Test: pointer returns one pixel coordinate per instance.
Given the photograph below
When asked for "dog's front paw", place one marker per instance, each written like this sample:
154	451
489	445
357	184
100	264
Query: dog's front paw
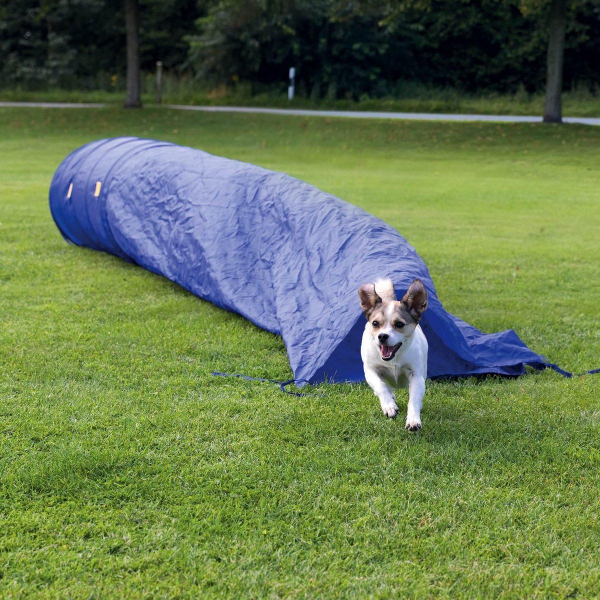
390	410
413	424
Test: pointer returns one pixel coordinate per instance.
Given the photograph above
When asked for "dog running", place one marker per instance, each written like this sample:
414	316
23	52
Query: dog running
394	347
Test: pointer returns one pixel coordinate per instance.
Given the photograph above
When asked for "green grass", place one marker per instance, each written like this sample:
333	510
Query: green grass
128	471
411	98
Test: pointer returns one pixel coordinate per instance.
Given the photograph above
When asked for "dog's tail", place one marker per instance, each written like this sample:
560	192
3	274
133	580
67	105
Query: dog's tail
385	290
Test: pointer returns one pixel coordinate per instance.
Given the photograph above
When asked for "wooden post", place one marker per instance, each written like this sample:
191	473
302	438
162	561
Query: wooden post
159	82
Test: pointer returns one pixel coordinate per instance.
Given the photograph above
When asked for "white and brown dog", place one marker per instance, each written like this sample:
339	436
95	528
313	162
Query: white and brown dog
394	348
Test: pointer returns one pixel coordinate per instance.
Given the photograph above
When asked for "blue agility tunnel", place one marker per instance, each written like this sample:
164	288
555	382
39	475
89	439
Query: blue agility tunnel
282	253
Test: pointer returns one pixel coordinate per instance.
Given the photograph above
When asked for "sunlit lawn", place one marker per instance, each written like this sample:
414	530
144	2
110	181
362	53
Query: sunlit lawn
128	471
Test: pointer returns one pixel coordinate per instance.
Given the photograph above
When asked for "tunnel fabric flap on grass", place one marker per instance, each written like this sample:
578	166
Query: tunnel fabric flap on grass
283	254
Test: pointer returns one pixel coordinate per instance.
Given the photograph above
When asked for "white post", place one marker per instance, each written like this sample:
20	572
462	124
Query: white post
292	83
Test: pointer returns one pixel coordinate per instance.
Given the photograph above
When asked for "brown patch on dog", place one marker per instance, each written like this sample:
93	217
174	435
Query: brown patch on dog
401	315
368	298
377	315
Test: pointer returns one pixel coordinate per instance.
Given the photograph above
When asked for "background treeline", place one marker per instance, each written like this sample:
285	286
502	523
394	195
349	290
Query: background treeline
340	48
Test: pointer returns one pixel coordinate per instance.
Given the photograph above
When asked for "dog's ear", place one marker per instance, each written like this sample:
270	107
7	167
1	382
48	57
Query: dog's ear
368	298
415	299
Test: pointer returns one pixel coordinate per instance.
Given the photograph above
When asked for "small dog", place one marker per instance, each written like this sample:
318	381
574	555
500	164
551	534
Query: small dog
394	347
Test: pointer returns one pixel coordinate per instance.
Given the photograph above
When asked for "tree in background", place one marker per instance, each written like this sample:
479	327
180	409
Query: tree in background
338	51
33	45
555	61
134	76
82	44
352	48
580	20
341	48
470	45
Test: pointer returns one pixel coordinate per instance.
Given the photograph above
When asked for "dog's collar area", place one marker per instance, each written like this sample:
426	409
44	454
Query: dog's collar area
388	352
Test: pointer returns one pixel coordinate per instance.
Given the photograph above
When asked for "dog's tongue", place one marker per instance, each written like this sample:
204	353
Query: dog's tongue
386	351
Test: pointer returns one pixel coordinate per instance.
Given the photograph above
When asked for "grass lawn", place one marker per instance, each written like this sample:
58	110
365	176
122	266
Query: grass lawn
576	103
128	471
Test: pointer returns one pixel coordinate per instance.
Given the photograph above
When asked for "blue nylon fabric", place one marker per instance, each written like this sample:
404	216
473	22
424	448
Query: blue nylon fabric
285	255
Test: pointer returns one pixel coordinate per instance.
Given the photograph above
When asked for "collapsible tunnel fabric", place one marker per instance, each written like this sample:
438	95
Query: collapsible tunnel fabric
283	254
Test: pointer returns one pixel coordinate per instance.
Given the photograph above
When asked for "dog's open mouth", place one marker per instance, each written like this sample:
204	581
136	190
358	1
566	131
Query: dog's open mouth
388	352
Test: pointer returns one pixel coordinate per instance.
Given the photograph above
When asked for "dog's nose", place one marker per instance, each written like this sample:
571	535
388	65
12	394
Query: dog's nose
383	337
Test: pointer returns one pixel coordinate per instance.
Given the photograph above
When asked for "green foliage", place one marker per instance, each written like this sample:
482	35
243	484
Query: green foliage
52	42
82	43
165	25
32	46
336	51
346	49
341	49
128	471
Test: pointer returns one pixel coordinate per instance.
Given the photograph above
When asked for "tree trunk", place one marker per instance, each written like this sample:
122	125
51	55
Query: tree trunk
134	80
555	60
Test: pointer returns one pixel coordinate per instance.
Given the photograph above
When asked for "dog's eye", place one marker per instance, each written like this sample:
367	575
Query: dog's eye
375	323
399	324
